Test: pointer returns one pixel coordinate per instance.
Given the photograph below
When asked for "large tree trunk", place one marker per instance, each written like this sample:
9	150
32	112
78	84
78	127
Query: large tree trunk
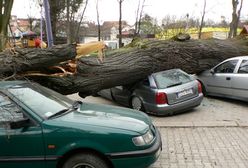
202	19
235	18
120	23
5	12
123	66
131	64
22	60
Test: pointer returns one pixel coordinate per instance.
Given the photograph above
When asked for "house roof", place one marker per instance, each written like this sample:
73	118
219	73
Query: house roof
110	24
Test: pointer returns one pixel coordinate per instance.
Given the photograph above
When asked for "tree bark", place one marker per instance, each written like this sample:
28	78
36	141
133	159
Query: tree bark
120	67
98	21
120	22
22	60
202	19
5	12
235	18
131	64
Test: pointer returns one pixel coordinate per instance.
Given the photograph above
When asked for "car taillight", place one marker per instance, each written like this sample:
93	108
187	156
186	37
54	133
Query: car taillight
199	87
161	98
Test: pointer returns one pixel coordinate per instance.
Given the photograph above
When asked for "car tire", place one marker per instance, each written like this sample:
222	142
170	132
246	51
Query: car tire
136	103
85	160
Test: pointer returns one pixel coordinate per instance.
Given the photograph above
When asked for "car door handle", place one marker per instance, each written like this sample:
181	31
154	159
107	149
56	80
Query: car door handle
228	78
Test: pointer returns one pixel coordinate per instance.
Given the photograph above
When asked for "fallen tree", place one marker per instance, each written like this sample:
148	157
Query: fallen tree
121	66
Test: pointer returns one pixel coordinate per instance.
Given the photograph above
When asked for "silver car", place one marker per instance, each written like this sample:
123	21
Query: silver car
162	93
228	79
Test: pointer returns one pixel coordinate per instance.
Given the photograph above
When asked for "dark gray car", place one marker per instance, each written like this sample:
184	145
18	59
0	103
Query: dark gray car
228	79
161	93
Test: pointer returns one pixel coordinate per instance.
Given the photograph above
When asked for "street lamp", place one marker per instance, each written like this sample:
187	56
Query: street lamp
41	20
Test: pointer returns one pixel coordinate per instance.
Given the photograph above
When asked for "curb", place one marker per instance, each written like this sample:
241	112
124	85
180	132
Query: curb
200	124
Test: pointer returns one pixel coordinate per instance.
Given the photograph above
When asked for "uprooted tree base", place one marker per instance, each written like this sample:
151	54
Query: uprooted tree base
121	66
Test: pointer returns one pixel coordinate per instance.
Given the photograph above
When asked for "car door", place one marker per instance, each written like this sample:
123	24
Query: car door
19	147
239	81
121	94
145	90
219	82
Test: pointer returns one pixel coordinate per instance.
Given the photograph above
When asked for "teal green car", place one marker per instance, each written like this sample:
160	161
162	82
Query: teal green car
40	128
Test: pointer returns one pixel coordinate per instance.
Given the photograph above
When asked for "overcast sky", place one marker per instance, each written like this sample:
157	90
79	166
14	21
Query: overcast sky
156	8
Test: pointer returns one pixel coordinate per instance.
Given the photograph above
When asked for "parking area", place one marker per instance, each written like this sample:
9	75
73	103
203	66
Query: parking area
213	112
213	135
204	147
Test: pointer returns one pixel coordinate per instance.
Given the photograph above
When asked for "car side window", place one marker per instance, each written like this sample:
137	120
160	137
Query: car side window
9	111
243	67
226	67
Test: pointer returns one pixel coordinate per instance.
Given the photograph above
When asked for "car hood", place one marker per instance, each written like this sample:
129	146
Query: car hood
106	116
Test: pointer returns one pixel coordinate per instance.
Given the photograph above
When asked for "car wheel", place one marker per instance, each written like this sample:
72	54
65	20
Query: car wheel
85	161
137	104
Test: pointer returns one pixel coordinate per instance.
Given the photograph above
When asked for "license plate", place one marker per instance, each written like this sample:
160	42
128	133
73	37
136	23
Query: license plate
184	93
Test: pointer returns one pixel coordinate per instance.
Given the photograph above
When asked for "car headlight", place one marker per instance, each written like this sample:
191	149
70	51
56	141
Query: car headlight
145	139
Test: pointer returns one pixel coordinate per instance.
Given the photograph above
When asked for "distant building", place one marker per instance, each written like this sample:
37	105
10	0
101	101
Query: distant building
19	25
88	32
109	33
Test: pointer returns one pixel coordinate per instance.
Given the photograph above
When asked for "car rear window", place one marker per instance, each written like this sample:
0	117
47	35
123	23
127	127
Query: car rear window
171	78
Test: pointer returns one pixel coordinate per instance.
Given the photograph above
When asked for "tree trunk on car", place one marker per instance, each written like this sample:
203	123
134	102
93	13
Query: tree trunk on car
121	66
16	61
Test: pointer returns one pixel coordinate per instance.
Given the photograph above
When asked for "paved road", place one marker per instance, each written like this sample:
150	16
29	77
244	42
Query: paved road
204	147
211	113
213	135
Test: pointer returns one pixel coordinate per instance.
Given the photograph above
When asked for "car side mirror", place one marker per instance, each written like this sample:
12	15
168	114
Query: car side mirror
21	123
212	71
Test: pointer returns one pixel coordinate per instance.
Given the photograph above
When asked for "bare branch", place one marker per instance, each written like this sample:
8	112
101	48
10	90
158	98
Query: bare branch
81	18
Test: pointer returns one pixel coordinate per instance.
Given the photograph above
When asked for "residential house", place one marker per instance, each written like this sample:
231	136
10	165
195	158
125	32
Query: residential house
88	32
19	25
109	33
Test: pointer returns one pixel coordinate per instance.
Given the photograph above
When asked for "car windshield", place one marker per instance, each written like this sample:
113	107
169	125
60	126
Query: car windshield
171	78
41	100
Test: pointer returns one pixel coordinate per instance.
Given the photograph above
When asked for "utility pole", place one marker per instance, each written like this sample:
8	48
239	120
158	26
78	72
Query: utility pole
41	20
69	34
48	23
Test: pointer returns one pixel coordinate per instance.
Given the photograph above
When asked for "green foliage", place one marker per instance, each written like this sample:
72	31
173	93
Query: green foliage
75	5
169	33
58	7
149	25
137	43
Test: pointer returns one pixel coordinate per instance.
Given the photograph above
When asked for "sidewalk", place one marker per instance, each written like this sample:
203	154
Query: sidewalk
202	147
